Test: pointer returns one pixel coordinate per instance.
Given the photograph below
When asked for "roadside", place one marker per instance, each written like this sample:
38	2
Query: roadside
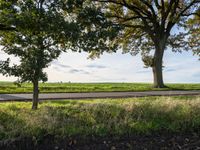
60	96
134	123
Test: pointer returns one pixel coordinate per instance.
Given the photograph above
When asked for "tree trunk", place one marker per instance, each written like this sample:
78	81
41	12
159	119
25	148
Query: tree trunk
157	66
35	95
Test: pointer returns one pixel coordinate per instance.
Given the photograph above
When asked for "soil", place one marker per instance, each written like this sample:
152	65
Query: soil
137	142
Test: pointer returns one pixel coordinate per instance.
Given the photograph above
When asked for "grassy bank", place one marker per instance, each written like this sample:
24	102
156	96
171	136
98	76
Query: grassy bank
100	117
9	87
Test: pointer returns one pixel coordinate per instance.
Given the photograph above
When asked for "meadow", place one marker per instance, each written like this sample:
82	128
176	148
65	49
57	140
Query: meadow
10	87
100	117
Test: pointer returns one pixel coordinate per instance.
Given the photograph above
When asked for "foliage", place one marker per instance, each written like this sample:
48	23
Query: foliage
6	10
99	32
147	22
194	39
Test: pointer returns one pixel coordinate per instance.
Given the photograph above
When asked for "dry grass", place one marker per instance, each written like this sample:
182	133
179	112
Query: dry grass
101	117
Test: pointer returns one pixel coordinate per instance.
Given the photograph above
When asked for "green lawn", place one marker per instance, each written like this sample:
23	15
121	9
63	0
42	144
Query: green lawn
100	117
9	87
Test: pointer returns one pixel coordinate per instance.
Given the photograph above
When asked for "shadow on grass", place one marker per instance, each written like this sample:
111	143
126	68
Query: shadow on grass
109	119
96	119
10	125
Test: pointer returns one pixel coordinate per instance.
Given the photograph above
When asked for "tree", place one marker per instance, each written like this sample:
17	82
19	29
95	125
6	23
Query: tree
39	39
45	28
148	28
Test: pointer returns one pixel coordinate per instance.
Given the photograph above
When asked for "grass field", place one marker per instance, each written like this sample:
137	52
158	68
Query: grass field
9	87
100	117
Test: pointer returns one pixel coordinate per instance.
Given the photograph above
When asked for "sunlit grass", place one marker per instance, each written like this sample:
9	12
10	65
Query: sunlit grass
9	87
100	117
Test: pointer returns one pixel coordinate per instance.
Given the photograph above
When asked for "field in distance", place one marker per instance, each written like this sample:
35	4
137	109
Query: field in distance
10	87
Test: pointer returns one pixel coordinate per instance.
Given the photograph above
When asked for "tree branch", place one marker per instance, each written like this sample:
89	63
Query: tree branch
157	4
188	7
124	19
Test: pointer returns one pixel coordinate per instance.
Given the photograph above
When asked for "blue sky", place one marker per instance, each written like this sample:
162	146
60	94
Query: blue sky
117	67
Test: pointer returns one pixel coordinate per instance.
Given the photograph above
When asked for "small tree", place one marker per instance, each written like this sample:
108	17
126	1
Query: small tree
42	28
148	28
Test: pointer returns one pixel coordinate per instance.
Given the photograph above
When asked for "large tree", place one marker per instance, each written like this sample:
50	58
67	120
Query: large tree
44	28
150	27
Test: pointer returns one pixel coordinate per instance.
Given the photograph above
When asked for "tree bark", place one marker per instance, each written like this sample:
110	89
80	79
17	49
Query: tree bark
35	95
157	66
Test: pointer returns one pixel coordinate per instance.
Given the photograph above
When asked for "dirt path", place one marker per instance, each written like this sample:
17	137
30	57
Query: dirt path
55	96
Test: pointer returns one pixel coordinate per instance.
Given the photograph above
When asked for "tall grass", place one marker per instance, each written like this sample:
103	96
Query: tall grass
100	117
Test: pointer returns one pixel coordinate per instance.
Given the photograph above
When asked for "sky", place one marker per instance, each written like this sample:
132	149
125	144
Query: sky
118	67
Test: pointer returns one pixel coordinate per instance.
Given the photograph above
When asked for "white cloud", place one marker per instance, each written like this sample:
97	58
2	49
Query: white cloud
117	67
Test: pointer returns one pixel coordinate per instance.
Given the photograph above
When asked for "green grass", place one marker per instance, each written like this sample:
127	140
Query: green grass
9	87
100	117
